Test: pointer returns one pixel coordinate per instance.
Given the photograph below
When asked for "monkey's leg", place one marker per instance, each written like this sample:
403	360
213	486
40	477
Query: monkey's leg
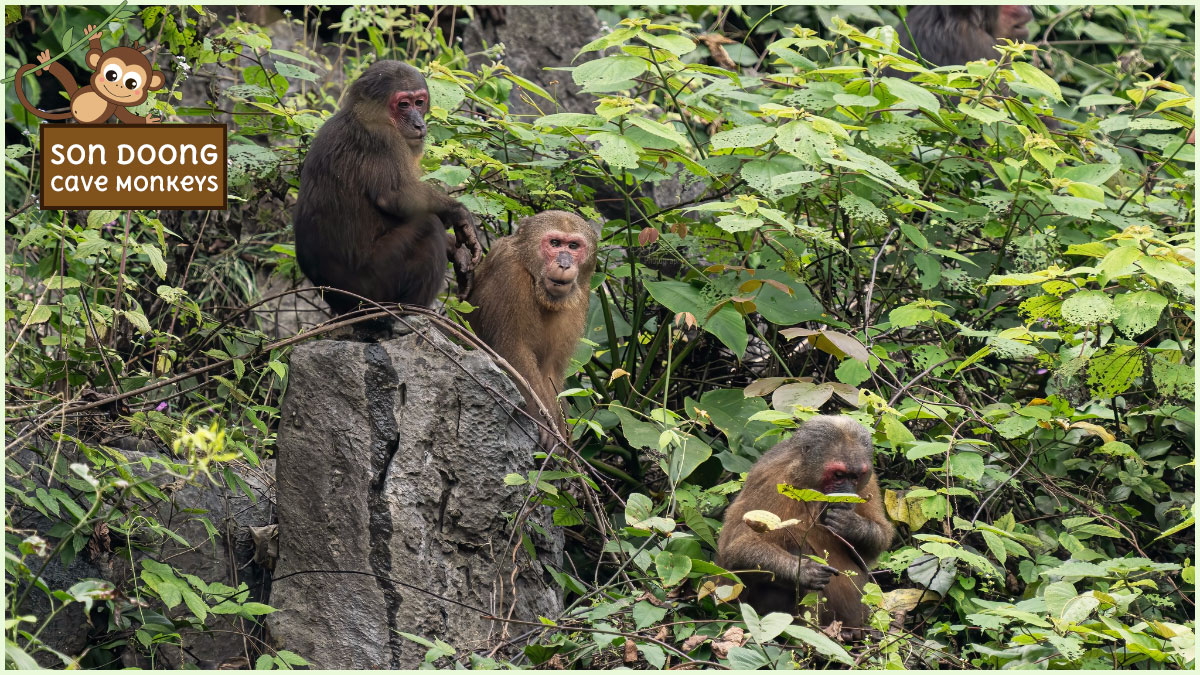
405	264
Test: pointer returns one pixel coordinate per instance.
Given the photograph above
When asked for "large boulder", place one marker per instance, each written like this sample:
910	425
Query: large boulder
393	511
536	38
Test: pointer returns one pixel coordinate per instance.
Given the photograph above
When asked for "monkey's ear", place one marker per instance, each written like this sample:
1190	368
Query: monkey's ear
156	81
92	58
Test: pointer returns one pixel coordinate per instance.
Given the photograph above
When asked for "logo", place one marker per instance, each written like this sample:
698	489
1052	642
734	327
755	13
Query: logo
138	164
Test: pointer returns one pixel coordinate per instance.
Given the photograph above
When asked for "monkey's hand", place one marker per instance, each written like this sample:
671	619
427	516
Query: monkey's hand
464	271
465	235
845	522
42	58
89	29
814	576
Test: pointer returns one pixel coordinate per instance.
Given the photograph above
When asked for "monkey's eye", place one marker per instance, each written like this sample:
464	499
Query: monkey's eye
420	102
132	81
112	72
573	245
556	243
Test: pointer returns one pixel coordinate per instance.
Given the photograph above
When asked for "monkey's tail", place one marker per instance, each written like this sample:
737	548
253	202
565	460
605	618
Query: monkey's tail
29	106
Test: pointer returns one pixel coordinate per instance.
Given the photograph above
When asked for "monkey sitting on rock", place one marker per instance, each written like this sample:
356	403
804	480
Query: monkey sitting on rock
365	222
830	454
531	294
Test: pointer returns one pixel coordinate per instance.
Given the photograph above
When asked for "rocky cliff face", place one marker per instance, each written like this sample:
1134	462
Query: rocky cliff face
393	512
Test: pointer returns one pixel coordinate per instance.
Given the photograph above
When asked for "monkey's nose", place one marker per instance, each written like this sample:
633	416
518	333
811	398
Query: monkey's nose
564	260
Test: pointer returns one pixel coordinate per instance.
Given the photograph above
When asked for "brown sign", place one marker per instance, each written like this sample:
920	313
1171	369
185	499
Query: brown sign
128	166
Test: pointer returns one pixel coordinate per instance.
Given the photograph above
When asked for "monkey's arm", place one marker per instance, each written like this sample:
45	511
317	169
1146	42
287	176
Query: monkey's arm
127	117
750	550
62	75
866	528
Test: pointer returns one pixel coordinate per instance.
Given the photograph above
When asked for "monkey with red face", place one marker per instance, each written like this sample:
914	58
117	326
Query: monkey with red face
830	454
532	293
365	221
954	35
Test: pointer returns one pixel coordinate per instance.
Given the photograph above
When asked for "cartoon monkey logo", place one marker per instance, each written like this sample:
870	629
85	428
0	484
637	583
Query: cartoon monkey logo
122	77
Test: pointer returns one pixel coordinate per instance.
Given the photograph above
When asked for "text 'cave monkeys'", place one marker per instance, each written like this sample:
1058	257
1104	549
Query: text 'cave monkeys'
532	295
830	454
365	222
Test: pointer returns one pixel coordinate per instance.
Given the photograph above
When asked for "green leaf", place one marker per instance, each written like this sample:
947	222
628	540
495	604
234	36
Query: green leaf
820	642
1171	273
687	457
664	131
1114	370
927	449
639	513
727	324
1037	79
749	136
672	567
1138	312
744	658
295	72
608	70
912	93
646	614
612	39
967	465
771	625
1088	308
672	42
617	150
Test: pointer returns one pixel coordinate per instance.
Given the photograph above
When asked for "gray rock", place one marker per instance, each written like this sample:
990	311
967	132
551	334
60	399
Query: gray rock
536	38
226	558
391	463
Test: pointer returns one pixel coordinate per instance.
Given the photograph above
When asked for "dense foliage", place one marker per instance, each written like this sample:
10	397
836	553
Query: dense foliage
789	228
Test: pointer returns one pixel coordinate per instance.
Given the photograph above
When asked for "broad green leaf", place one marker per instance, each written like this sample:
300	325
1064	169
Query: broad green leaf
608	70
1088	308
639	513
671	567
927	449
1038	79
617	150
646	614
1114	370
967	465
664	131
820	642
727	324
1170	272
1138	312
911	93
748	136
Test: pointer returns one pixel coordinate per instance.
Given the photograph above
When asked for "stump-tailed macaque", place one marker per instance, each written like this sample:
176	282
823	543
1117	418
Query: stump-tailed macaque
122	77
531	294
954	35
365	222
830	454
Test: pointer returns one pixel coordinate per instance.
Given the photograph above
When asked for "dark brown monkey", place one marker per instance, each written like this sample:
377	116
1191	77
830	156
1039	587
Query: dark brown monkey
954	35
831	454
365	222
532	294
122	77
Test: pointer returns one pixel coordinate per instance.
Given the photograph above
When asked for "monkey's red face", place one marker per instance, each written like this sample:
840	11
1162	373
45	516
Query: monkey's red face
407	110
844	477
1013	20
562	254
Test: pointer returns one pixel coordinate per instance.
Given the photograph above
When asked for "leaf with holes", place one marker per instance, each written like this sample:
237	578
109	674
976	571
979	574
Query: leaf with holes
1138	312
1113	370
1088	308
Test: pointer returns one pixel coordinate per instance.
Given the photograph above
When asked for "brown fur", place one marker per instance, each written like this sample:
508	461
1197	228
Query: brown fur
518	317
954	35
802	461
365	222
